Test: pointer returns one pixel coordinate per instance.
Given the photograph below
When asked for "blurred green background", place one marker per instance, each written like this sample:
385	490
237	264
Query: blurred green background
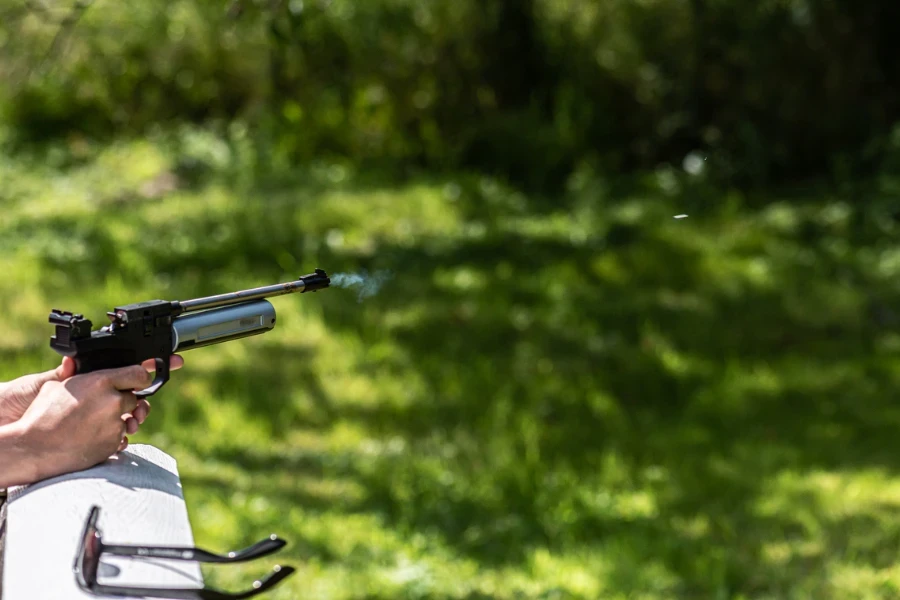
563	391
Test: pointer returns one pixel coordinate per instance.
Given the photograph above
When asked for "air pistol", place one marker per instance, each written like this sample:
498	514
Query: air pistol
157	329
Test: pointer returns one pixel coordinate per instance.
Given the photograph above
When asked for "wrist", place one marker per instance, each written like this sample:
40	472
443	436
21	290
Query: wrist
4	420
6	412
20	465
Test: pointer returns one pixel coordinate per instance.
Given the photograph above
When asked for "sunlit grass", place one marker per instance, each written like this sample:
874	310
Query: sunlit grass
587	401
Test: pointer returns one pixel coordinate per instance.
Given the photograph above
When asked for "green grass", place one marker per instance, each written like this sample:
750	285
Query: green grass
577	398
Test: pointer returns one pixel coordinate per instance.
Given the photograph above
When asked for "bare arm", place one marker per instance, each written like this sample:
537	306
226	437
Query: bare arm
17	465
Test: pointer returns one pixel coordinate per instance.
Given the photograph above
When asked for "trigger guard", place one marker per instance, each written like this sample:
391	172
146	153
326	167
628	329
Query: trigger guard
162	376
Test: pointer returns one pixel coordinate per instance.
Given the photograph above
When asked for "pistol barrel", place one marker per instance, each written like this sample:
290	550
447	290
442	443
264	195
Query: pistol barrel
306	283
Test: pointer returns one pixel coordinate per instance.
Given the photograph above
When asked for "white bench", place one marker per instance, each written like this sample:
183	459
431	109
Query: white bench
141	503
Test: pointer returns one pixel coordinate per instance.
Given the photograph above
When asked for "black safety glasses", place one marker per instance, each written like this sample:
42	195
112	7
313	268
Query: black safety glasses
91	548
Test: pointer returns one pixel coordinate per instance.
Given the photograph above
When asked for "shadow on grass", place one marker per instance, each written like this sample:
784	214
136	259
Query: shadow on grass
539	360
612	367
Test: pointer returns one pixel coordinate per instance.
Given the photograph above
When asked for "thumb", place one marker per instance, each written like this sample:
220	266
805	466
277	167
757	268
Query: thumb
29	385
65	370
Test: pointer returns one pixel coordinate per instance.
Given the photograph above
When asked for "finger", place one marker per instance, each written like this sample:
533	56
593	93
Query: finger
134	377
121	434
65	369
123	444
131	426
128	403
175	363
141	411
34	382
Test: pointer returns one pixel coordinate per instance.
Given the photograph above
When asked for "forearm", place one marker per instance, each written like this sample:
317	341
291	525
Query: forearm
18	466
6	415
4	419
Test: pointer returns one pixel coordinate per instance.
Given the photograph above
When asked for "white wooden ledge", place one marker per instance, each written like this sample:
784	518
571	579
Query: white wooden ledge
141	503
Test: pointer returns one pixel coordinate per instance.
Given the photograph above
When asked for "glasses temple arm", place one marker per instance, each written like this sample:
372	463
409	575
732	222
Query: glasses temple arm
257	550
260	586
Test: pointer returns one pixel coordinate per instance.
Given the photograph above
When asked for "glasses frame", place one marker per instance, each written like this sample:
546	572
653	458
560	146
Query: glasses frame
91	548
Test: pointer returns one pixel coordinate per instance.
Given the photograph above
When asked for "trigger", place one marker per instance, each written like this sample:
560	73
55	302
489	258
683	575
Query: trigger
162	376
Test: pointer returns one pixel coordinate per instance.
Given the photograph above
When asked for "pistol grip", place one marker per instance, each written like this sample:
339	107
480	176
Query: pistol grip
162	376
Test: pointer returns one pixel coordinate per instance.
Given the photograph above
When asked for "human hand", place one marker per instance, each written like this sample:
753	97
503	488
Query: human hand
77	423
17	395
134	420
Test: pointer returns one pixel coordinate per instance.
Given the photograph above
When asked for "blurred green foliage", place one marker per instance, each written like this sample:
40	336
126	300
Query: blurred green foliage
523	89
563	391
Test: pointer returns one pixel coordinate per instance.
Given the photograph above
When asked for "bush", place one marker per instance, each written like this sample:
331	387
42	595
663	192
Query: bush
770	91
